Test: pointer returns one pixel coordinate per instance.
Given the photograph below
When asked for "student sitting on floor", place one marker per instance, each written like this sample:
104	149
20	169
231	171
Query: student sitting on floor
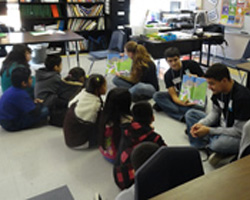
19	56
80	124
142	81
169	101
71	85
115	113
138	131
17	110
140	154
48	80
221	130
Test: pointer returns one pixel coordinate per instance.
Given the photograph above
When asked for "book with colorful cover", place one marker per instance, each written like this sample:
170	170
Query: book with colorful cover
194	90
117	63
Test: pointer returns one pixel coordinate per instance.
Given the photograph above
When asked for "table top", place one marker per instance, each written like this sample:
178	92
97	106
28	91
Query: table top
226	183
28	38
244	66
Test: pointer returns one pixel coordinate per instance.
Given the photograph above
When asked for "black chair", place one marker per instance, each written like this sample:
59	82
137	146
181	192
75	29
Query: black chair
233	63
4	29
165	169
118	39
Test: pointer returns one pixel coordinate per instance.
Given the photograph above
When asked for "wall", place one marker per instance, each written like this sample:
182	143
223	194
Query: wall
236	41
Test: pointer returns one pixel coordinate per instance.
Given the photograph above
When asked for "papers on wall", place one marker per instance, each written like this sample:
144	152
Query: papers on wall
214	2
212	15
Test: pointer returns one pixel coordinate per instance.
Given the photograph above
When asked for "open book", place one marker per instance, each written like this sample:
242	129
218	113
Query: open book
194	89
117	63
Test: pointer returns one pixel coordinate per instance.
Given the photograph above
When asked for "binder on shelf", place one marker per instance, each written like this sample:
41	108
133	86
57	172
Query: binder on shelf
54	10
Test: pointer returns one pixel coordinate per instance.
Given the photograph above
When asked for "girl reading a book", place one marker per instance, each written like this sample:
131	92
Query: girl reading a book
116	112
142	81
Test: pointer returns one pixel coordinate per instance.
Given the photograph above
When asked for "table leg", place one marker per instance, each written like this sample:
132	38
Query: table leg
208	54
66	44
77	55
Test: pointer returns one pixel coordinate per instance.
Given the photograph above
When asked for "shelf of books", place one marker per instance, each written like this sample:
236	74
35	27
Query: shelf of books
85	1
82	46
85	17
79	10
40	11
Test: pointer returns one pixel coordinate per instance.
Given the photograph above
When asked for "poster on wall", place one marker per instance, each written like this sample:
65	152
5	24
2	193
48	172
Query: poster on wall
247	8
232	13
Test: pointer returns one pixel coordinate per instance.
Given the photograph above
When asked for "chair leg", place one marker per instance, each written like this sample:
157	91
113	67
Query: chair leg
91	66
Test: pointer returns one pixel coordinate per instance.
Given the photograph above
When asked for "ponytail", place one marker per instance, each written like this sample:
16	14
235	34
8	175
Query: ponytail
94	83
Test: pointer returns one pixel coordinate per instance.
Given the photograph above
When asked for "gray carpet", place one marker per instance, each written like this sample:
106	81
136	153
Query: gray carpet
61	193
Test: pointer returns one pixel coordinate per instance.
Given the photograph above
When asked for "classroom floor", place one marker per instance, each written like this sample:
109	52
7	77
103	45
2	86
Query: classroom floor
37	160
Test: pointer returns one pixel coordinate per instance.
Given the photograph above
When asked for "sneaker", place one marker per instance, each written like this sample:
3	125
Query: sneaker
215	158
97	196
156	107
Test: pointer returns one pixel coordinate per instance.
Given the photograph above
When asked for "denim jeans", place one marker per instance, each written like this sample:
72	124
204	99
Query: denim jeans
222	143
165	102
26	121
137	90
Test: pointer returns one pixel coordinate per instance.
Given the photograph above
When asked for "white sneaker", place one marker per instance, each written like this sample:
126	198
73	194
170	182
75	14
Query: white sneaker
216	158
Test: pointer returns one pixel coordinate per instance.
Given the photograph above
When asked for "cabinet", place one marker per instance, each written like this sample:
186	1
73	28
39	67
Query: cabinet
117	13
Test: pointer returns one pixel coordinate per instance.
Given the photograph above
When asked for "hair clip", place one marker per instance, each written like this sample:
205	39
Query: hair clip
97	79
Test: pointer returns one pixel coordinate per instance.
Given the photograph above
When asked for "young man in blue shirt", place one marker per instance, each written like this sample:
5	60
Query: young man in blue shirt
17	110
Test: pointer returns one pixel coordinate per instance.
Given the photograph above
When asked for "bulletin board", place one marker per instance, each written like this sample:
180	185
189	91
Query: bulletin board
232	12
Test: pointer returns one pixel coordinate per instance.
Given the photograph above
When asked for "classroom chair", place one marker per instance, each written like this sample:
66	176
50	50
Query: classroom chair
165	169
233	63
118	39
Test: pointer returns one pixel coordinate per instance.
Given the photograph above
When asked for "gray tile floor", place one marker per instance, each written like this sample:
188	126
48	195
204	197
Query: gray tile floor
36	161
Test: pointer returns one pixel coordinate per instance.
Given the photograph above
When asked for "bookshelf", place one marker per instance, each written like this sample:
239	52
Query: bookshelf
43	13
85	17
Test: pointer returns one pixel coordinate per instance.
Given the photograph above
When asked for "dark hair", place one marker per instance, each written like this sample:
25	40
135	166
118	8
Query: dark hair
19	75
17	55
218	71
94	83
142	152
51	61
171	52
75	74
142	112
117	105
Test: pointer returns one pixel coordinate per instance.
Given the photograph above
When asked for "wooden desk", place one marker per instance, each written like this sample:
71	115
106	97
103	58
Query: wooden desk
246	68
27	38
185	46
230	182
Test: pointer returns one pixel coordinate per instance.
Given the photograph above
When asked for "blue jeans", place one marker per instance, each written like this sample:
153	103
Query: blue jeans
137	90
26	121
223	144
165	102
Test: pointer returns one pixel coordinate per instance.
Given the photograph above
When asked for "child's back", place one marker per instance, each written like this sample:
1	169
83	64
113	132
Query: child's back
133	134
70	86
48	80
115	113
17	109
80	121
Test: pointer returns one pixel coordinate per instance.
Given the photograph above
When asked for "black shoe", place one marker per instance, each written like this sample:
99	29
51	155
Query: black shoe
183	119
156	107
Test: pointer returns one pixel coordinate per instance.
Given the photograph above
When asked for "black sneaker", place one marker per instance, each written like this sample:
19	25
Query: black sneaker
157	108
